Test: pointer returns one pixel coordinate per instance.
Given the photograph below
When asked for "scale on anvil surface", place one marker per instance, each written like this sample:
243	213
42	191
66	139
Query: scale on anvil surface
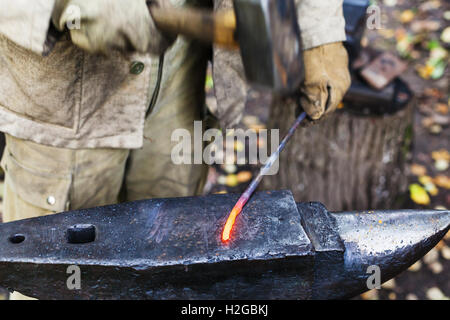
172	249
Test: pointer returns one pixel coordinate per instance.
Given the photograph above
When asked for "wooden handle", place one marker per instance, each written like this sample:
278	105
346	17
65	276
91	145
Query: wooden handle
218	28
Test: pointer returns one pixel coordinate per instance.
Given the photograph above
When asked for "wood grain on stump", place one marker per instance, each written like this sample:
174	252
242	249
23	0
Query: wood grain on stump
347	161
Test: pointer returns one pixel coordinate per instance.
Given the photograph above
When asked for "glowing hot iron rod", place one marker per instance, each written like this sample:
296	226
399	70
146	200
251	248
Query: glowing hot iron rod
255	182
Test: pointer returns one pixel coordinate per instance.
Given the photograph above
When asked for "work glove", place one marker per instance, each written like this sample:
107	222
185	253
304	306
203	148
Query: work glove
106	25
327	79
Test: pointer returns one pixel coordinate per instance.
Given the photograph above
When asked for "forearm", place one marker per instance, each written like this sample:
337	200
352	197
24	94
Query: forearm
26	22
321	22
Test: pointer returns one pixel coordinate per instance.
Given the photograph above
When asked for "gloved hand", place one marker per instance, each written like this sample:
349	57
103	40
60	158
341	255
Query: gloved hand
327	79
111	24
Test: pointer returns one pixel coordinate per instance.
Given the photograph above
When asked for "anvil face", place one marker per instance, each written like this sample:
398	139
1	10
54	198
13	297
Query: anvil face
172	249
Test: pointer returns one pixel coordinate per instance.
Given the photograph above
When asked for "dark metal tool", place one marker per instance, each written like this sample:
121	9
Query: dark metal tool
172	249
266	31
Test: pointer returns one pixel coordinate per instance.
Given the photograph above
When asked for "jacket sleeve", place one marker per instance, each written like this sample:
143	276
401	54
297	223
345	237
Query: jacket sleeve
321	22
26	22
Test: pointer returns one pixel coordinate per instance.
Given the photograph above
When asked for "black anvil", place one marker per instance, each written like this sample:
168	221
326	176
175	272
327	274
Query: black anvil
172	249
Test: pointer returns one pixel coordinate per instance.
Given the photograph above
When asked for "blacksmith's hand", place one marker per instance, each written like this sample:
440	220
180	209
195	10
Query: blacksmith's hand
327	79
99	26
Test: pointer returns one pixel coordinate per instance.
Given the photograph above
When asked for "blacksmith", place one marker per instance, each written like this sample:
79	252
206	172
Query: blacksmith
96	114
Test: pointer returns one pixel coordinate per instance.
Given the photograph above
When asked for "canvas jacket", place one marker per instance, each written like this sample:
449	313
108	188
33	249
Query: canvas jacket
73	99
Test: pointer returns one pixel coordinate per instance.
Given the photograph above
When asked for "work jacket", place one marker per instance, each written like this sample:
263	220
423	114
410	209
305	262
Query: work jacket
73	99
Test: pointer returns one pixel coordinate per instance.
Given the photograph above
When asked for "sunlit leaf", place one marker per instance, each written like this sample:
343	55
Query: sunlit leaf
232	181
418	170
442	181
418	194
244	176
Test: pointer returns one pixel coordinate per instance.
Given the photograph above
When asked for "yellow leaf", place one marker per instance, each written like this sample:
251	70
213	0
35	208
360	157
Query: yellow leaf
425	180
418	194
407	16
441	154
442	108
232	181
425	71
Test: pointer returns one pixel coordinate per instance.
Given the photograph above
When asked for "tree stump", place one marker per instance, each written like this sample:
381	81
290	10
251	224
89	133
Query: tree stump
347	161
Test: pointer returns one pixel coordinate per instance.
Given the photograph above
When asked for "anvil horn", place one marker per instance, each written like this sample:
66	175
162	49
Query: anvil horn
172	249
388	240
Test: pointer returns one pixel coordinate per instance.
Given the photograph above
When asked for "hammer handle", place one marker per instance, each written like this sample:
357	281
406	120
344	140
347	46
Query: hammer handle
204	25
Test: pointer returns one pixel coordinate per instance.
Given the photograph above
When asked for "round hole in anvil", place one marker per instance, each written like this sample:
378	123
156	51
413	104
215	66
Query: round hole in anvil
81	233
17	238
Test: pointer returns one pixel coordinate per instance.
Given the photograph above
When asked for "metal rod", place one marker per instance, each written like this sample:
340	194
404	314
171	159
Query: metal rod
255	182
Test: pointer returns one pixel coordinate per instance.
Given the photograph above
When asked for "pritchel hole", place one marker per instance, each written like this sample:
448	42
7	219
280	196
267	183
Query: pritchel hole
81	233
17	238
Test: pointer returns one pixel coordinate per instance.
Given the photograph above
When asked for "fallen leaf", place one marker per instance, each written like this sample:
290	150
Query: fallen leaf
430	5
440	245
390	284
425	26
425	179
445	252
244	176
441	154
430	187
232	181
386	33
435	129
418	194
441	165
447	15
445	35
431	256
436	267
442	181
435	293
209	83
418	170
442	108
438	69
250	120
415	267
370	295
222	180
411	296
390	3
425	72
434	93
407	16
229	168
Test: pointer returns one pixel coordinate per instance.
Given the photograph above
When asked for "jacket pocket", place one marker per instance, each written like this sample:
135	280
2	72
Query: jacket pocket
44	89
